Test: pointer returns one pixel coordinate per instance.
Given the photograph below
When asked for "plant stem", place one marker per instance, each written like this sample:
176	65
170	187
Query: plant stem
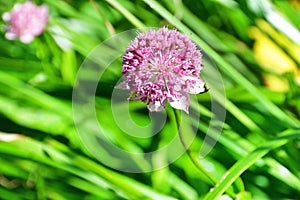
193	158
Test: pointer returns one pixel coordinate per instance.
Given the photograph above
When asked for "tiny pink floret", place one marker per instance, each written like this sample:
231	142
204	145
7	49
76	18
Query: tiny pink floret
26	21
162	66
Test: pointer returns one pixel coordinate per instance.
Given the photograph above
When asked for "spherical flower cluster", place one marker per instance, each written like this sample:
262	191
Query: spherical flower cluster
25	21
162	66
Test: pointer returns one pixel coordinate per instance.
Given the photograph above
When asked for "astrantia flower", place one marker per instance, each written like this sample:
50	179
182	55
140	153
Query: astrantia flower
162	66
26	21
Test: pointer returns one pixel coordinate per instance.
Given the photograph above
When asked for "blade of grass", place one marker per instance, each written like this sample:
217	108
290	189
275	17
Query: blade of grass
34	95
107	23
7	194
217	93
33	117
128	15
91	188
243	164
61	157
186	191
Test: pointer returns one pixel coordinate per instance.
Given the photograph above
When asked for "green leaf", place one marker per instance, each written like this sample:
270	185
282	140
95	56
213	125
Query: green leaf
69	66
243	164
244	195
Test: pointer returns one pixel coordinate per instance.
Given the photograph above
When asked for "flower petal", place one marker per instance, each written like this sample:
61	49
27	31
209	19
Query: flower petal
156	106
123	86
6	16
10	35
181	103
26	38
160	66
26	21
195	85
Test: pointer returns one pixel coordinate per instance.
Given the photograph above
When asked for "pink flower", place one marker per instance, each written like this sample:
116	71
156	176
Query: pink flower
26	21
162	66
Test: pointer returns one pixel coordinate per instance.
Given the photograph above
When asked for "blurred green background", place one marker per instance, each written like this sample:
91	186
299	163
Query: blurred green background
255	45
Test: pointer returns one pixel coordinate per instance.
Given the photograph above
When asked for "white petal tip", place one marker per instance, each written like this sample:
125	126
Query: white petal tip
181	104
10	36
155	107
6	16
196	86
122	86
26	38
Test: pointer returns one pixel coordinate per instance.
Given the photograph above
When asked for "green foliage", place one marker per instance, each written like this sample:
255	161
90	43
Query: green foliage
256	156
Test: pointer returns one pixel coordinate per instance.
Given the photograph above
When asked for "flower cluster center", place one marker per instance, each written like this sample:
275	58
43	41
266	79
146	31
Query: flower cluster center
161	66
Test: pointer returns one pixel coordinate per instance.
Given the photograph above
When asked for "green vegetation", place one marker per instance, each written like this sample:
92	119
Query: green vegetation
256	49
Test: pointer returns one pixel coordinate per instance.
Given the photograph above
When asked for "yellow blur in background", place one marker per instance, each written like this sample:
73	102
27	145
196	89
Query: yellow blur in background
276	54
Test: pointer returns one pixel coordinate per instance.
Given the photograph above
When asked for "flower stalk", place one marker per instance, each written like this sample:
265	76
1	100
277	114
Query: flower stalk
190	154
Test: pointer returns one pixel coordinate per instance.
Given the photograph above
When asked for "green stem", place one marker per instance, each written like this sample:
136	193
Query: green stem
193	158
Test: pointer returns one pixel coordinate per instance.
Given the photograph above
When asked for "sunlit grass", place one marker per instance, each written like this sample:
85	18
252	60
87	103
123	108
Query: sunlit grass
255	157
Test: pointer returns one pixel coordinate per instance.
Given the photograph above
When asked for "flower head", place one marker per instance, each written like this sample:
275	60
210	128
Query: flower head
25	21
162	66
